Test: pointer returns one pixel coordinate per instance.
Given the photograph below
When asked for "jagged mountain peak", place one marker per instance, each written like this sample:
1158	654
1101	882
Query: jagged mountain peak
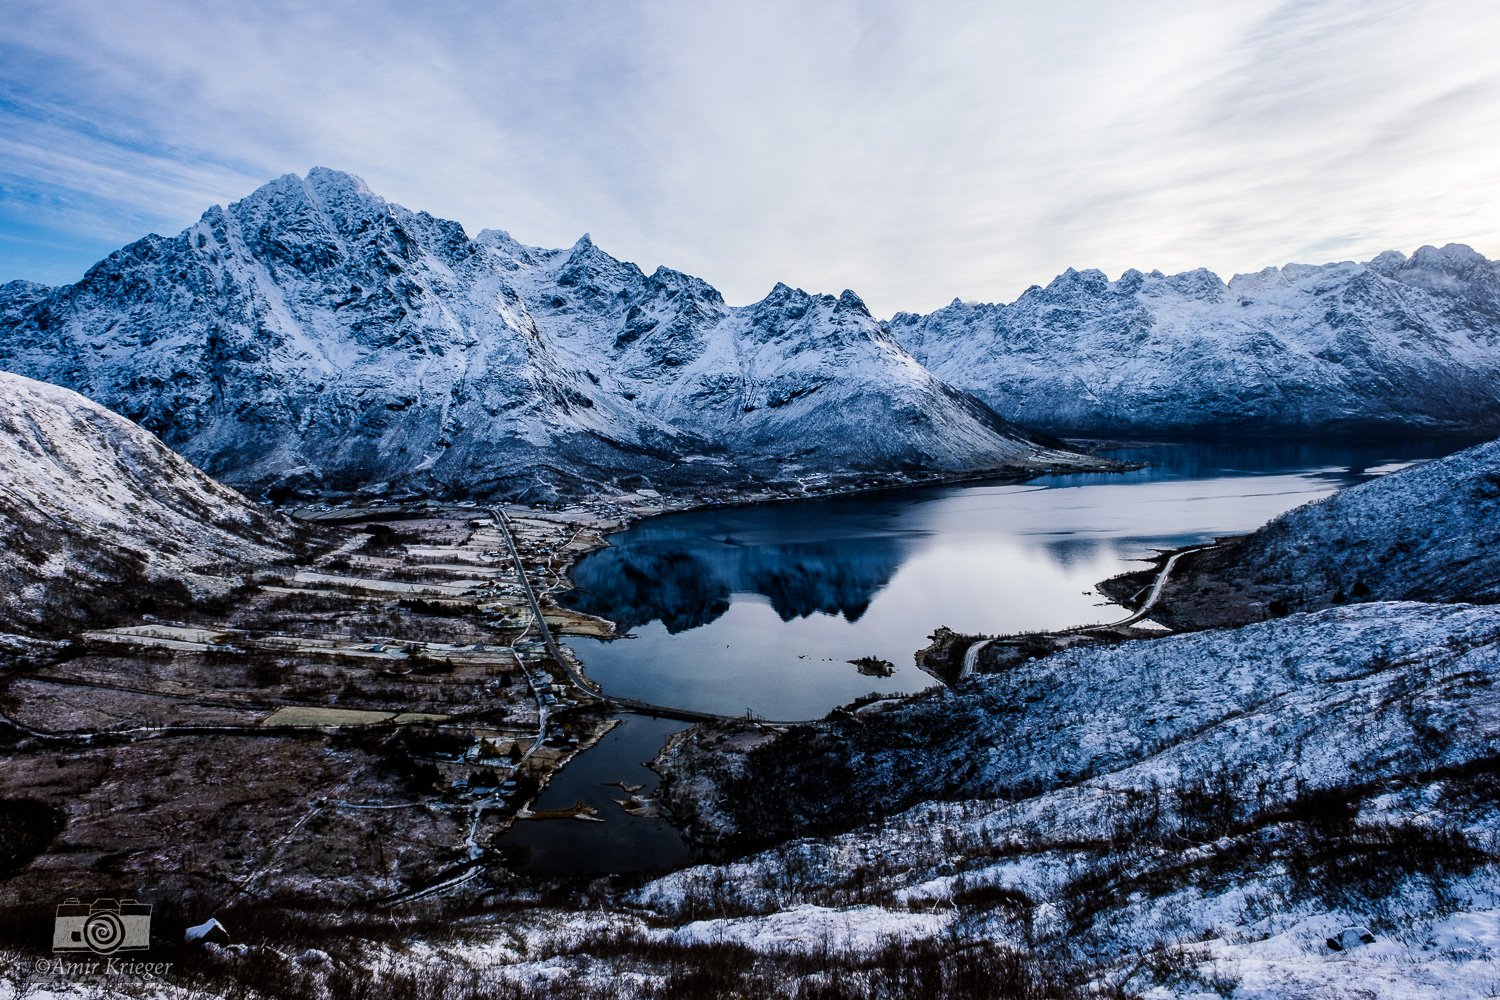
508	250
330	193
319	184
1199	282
782	292
1090	280
849	300
671	281
327	179
1450	257
330	215
596	270
313	338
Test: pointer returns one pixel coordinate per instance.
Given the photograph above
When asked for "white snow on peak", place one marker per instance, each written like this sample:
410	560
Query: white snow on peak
1395	343
313	337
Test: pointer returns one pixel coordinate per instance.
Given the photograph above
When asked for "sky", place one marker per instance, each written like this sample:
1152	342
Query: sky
916	153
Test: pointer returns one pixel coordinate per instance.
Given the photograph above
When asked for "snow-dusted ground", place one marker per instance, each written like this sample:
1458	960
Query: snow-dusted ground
1085	787
1187	817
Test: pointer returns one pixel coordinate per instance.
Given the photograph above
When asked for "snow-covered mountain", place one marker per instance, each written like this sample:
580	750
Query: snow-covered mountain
314	337
97	515
1398	343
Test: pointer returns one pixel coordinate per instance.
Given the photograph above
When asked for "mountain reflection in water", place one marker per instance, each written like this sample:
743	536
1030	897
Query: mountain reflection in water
685	575
761	608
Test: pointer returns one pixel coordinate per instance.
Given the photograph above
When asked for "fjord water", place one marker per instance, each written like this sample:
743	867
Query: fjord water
760	609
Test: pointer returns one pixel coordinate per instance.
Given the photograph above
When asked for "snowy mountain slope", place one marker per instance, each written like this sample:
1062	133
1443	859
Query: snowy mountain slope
313	337
1361	690
1396	343
96	513
1188	817
1251	791
1429	533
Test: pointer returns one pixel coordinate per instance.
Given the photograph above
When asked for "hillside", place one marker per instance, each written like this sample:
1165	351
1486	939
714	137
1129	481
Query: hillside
1249	791
1345	693
98	516
1429	533
1399	344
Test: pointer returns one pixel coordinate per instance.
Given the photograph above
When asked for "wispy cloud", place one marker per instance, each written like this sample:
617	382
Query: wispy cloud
912	152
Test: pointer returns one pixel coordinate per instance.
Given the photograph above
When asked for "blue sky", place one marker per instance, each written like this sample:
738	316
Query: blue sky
912	152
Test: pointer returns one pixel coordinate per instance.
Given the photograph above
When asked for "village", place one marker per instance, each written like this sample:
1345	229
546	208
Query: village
370	717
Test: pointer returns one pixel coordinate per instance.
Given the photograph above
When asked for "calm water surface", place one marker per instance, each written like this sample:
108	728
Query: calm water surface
761	608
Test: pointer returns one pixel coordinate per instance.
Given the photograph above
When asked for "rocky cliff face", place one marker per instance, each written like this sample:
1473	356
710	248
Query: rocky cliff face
314	338
1407	344
97	514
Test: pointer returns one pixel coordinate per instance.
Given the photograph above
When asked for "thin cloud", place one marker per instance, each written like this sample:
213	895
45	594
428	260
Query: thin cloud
912	152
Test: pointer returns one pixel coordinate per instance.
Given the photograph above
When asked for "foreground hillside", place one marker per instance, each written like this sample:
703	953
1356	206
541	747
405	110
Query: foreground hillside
314	338
97	515
1198	812
1279	708
1430	533
1398	343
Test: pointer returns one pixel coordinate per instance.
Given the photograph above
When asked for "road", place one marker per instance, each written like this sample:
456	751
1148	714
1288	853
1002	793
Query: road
1151	598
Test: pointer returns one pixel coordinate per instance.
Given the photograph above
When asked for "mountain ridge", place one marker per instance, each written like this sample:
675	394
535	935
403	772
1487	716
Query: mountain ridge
314	338
1393	344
